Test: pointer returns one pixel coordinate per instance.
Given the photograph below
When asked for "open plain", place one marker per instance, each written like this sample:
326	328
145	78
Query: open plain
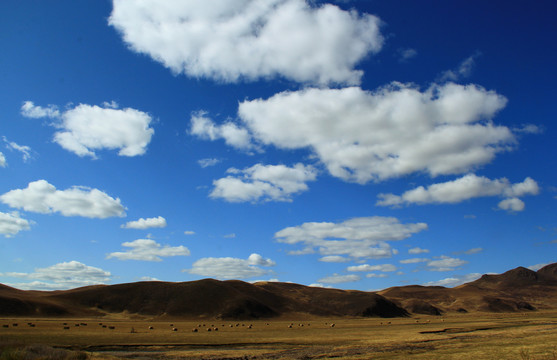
528	335
508	316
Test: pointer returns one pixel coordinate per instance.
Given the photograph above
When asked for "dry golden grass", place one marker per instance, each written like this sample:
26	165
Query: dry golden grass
531	335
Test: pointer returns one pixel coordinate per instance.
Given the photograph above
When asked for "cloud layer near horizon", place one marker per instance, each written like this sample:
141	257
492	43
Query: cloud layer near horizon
358	238
231	268
61	276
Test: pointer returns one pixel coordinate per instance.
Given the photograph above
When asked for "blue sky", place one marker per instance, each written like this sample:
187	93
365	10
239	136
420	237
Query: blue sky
349	144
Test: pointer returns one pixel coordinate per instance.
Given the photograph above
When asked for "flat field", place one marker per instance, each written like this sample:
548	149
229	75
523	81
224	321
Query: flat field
531	335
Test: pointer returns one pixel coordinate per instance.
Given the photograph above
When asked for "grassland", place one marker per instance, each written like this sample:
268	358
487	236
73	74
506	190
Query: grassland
531	335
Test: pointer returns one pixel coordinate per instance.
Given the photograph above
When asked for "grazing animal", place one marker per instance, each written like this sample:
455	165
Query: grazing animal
290	326
215	329
174	329
333	325
151	328
194	330
66	328
208	329
5	326
111	327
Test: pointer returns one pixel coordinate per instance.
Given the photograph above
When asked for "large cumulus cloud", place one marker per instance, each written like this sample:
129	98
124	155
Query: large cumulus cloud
232	40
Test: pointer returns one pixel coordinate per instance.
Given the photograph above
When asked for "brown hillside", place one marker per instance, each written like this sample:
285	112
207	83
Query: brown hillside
204	298
548	273
332	302
519	289
14	302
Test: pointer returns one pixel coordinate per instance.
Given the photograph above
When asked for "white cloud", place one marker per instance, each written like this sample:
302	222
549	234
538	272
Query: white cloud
529	129
397	130
511	204
376	275
265	281
12	223
232	134
148	278
112	105
189	232
369	268
208	162
317	285
455	280
23	149
3	162
42	197
537	266
338	279
230	236
264	183
65	275
86	128
359	238
413	260
156	222
418	250
463	70
465	188
474	251
256	259
238	40
148	250
406	54
30	110
334	259
445	263
231	268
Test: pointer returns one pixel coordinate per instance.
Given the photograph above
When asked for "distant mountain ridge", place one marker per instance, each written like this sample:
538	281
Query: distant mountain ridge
519	289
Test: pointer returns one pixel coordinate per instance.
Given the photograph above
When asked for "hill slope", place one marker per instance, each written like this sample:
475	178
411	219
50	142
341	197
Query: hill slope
519	289
204	298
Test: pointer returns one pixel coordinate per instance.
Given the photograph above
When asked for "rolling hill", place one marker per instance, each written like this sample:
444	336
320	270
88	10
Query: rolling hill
519	289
